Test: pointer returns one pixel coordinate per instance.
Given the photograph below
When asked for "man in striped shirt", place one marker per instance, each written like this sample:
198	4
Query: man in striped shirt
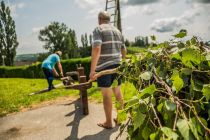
107	51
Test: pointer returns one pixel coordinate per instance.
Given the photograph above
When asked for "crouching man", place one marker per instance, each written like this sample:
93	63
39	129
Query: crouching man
48	67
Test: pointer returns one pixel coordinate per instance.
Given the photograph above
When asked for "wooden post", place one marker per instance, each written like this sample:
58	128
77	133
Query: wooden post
83	92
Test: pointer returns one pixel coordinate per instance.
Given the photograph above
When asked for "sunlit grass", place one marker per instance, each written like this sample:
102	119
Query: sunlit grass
14	93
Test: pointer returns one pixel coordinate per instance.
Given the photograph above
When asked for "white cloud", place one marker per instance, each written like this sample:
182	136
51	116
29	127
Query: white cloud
21	5
29	44
138	2
14	8
169	24
165	25
201	1
93	6
130	11
148	10
37	29
129	28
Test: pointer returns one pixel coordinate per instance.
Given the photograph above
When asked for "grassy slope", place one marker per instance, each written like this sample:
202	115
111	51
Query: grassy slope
14	93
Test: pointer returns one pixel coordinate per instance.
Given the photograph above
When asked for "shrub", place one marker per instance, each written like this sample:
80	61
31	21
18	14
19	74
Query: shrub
35	71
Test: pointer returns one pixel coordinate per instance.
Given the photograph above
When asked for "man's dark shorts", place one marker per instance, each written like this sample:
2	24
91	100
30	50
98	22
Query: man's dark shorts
106	81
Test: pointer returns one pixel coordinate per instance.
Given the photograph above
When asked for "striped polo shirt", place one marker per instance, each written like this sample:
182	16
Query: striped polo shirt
110	39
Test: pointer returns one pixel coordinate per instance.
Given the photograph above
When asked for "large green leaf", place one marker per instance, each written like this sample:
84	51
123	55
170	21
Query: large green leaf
154	136
146	75
206	91
171	106
182	33
149	90
184	129
138	119
191	57
134	100
186	71
208	57
196	83
121	115
146	132
193	128
169	133
178	83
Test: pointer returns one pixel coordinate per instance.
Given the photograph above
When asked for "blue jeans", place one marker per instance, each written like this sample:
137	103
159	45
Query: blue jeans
49	76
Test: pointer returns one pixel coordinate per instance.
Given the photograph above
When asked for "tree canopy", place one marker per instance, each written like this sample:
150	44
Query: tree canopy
8	37
57	36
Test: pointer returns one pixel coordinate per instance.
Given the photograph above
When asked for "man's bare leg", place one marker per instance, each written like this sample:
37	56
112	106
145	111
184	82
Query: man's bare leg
119	96
107	102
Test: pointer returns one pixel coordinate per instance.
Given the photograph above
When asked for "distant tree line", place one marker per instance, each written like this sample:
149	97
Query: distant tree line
139	41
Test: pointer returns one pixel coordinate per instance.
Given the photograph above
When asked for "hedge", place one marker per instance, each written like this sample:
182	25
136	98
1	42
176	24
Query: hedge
35	71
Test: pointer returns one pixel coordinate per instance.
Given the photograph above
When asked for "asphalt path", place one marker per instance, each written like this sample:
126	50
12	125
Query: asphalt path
59	121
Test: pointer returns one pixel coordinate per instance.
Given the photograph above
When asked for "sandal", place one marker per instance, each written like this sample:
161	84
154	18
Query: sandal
104	126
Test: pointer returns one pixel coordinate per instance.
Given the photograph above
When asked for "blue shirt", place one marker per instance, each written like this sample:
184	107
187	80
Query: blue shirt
50	61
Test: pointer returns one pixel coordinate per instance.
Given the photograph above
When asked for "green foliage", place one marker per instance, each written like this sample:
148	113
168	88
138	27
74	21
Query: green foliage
135	50
172	99
8	37
181	34
58	37
35	71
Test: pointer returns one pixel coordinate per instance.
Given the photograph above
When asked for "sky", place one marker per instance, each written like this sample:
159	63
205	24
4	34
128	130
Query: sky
161	18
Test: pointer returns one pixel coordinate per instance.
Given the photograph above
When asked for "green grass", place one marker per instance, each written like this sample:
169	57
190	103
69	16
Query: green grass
14	93
134	50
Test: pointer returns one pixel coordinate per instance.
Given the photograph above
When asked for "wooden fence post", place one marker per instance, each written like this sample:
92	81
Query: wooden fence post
83	92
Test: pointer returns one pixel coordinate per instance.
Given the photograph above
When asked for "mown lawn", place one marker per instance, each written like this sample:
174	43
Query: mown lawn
14	93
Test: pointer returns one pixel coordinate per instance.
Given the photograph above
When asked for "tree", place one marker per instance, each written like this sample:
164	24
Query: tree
57	36
85	50
8	37
141	41
90	39
73	52
127	43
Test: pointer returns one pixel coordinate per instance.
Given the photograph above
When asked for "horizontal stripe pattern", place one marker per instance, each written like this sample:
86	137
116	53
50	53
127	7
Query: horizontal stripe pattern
111	41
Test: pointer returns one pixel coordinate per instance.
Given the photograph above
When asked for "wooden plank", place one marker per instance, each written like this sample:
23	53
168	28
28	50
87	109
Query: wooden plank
45	90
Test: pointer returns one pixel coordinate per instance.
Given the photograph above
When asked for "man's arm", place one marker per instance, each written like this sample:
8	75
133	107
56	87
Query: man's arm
96	51
55	72
60	68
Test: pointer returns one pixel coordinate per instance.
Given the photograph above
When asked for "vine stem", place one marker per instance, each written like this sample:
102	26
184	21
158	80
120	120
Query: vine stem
196	115
122	130
157	119
177	109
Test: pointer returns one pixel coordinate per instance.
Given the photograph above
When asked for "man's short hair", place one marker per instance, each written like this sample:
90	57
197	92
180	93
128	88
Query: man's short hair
59	53
104	15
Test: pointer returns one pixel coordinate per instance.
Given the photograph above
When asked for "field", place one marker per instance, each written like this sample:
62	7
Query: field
14	94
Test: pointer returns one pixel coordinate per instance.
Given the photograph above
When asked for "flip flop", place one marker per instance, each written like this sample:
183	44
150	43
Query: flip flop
102	125
116	122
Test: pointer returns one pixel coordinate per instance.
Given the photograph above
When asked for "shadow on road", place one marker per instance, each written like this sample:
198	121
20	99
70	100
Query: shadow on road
78	116
75	123
103	135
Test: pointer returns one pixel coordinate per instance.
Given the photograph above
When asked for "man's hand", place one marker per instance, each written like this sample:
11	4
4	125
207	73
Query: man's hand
92	75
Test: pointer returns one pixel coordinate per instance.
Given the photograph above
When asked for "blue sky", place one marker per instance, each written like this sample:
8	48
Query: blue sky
139	17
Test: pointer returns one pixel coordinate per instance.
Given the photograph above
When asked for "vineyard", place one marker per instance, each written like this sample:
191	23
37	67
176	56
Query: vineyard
173	83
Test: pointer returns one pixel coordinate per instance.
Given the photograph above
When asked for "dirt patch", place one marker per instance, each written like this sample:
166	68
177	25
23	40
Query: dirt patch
12	132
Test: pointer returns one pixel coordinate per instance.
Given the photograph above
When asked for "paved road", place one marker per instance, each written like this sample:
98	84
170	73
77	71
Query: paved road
60	121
